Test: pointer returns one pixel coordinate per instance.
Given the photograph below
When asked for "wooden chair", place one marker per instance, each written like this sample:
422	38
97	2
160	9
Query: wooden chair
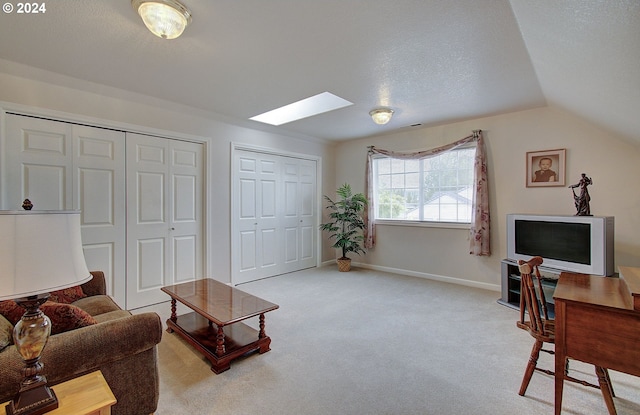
542	329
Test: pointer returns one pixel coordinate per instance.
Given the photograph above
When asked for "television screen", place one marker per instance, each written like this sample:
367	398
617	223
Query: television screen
564	241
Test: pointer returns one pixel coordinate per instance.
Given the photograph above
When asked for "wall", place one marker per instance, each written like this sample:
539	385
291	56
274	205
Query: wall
608	159
433	252
101	105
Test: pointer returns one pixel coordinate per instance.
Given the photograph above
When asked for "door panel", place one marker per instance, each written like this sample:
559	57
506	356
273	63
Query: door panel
45	186
290	221
269	245
268	193
256	198
151	259
185	259
247	250
150	192
306	243
187	178
164	190
148	225
290	245
100	185
104	257
247	199
308	214
96	191
184	198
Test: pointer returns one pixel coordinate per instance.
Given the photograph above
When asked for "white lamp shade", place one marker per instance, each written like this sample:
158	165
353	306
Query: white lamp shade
40	252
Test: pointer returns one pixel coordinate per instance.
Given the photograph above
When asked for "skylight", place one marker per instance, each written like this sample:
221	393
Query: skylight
307	107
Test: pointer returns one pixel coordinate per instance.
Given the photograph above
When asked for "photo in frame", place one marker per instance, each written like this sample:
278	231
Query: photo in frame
546	168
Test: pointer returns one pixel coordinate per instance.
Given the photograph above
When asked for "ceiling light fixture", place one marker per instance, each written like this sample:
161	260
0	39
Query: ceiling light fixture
164	18
381	115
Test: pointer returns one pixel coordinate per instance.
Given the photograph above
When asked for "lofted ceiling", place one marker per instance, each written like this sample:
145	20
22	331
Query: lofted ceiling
432	61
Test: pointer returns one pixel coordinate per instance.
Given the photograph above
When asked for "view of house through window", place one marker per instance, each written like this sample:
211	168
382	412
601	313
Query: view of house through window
435	189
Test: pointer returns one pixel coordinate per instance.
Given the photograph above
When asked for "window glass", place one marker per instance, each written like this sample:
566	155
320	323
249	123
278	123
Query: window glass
437	189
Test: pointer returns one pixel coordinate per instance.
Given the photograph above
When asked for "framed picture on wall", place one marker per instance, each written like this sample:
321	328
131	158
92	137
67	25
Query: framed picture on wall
546	168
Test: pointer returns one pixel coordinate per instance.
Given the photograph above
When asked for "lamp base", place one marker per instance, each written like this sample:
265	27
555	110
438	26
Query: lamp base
35	399
30	335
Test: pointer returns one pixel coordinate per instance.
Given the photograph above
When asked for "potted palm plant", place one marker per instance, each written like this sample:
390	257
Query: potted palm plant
346	224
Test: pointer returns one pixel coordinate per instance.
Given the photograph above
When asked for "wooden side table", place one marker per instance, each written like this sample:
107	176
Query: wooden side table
84	395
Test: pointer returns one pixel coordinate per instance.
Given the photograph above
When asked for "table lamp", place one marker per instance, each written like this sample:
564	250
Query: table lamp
40	252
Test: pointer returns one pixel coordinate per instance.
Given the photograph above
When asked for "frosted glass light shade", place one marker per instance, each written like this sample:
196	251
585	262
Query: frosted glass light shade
40	252
164	18
381	115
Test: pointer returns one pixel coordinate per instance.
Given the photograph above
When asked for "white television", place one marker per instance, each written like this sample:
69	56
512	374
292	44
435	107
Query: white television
582	244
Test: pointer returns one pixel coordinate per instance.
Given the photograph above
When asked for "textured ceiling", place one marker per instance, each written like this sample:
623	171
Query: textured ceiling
586	54
432	61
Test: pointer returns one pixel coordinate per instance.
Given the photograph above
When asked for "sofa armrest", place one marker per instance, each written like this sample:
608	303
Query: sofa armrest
77	352
96	285
100	344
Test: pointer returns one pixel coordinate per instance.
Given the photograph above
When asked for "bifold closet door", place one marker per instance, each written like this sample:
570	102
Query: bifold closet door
164	216
64	166
274	215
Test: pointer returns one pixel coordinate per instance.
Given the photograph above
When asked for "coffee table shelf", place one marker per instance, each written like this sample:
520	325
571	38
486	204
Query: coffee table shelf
239	339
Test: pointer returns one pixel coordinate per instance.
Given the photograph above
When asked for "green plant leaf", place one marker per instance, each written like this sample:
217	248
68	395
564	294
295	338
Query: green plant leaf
346	222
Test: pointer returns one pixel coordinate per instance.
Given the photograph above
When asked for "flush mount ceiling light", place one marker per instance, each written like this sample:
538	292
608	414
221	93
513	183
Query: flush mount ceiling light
381	115
164	18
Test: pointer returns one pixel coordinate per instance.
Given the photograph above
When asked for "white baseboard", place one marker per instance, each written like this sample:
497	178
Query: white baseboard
459	281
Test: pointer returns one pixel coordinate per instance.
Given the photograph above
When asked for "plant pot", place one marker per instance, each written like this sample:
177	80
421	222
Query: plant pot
344	264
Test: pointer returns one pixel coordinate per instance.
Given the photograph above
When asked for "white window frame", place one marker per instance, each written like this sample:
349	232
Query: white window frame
410	222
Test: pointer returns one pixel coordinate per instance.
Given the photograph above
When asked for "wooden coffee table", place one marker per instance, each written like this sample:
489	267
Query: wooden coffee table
215	328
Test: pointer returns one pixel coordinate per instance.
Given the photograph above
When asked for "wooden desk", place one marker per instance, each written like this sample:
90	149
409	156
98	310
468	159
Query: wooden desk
84	395
598	322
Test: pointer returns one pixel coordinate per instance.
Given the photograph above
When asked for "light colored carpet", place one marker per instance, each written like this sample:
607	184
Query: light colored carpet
368	342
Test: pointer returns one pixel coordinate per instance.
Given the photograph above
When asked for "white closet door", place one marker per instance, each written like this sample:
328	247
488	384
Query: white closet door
164	216
62	166
274	215
100	185
299	186
255	246
307	217
187	216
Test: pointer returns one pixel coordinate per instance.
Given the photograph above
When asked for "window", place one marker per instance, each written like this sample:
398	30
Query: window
435	189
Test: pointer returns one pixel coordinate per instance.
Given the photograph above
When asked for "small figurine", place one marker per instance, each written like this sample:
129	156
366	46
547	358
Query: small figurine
27	205
582	200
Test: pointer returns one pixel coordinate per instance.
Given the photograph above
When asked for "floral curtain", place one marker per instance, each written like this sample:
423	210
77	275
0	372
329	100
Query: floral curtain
479	233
